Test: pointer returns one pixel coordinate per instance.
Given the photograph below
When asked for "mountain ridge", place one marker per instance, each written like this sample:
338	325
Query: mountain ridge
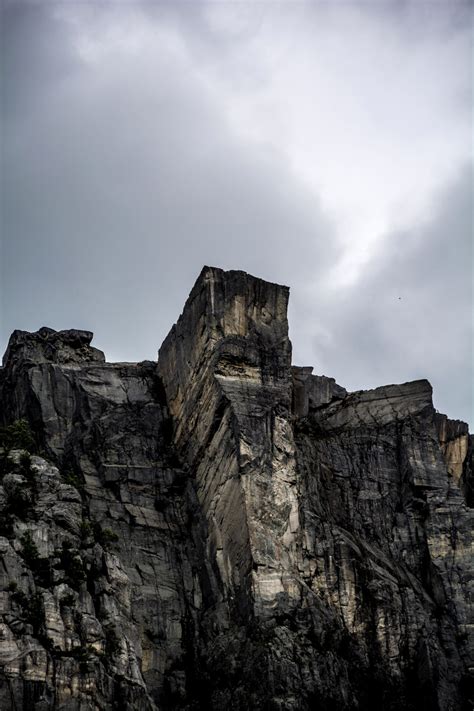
222	530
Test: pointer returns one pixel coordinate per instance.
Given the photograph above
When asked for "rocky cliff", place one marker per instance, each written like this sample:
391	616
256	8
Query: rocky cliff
222	531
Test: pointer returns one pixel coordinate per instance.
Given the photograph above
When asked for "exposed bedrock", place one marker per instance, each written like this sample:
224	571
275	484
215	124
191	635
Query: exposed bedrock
226	370
112	610
222	530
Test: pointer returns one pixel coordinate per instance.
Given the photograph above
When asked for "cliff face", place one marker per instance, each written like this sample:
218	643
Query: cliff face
221	530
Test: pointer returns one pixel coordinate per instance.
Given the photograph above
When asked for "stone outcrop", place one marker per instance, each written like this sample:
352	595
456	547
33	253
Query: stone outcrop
457	446
105	427
226	370
223	530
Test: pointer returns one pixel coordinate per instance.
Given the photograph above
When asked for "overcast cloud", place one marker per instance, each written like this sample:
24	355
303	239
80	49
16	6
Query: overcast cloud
322	145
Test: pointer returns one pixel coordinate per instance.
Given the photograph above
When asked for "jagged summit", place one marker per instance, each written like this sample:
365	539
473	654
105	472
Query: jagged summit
220	530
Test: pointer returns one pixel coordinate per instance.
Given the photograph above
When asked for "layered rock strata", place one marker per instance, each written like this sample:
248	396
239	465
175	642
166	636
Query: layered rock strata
223	530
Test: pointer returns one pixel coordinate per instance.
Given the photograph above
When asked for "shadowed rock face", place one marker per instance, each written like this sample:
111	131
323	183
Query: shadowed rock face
222	530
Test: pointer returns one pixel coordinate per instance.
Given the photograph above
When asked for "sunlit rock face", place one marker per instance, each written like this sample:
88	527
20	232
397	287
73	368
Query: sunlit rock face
223	530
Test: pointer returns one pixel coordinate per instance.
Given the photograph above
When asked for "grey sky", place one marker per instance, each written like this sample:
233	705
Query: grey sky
322	145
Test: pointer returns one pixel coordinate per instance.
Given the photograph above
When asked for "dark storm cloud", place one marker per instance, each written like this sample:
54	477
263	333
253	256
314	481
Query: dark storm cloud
120	185
410	314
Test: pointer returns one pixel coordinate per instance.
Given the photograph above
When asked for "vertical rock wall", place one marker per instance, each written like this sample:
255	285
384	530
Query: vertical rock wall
226	371
389	540
112	608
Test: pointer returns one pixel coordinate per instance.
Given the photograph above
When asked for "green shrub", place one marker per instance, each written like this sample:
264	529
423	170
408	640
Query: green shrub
17	435
69	477
104	536
29	550
109	536
86	529
18	501
32	608
21	496
72	565
20	598
26	469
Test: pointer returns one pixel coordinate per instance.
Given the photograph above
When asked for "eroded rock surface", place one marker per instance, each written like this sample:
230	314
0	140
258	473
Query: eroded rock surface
223	530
